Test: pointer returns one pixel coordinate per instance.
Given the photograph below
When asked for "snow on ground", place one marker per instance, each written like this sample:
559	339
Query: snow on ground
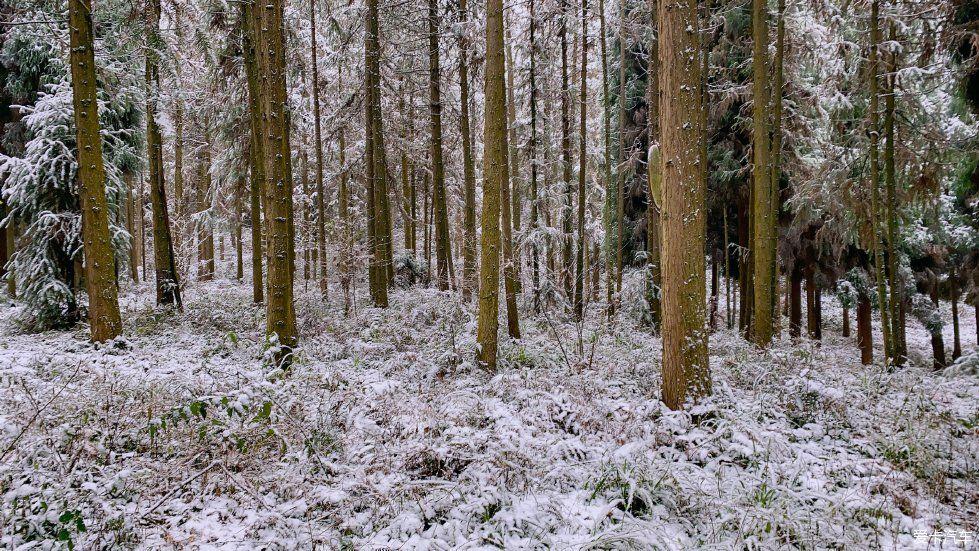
384	435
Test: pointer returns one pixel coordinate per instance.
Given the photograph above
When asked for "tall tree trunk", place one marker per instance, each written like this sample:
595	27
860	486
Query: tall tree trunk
267	28
469	252
607	165
318	145
727	273
865	331
890	209
620	168
346	231
256	156
180	201
579	282
167	280
763	218
846	321
686	368
876	208
100	281
379	211
534	144
514	152
776	156
566	224
443	248
495	175
655	181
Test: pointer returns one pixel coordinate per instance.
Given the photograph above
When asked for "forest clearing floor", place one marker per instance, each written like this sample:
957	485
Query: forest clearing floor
385	435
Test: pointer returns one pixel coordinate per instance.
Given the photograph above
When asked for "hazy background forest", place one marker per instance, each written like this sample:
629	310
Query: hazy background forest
344	274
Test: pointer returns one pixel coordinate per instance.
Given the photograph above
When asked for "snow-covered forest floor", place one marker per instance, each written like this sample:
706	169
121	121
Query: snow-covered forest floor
384	435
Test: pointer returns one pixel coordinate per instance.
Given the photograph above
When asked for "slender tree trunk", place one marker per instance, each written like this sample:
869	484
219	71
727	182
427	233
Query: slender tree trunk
620	169
318	146
795	303
776	155
180	202
876	209
654	243
205	233
346	232
579	282
534	144
607	165
167	279
846	321
443	248
811	304
937	339
256	155
956	338
763	219
130	227
378	210
727	274
686	368
469	252
267	28
100	281
566	224
891	206
865	331
510	284
514	152
239	246
495	175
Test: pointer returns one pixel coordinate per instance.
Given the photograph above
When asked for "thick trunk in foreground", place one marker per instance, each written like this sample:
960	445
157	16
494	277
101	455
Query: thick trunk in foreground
686	368
103	295
267	33
167	280
495	175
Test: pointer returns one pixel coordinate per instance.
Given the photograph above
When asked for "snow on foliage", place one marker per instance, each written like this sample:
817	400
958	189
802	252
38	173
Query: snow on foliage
385	435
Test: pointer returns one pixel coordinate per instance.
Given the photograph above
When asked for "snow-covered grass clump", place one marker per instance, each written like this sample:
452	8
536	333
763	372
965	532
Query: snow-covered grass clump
384	435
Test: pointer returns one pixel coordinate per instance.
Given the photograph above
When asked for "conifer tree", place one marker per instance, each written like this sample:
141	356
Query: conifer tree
103	305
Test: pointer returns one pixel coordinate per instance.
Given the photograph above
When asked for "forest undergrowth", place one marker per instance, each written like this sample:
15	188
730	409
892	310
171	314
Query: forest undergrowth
385	435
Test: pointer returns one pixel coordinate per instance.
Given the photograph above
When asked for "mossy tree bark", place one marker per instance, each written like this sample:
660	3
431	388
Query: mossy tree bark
100	280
